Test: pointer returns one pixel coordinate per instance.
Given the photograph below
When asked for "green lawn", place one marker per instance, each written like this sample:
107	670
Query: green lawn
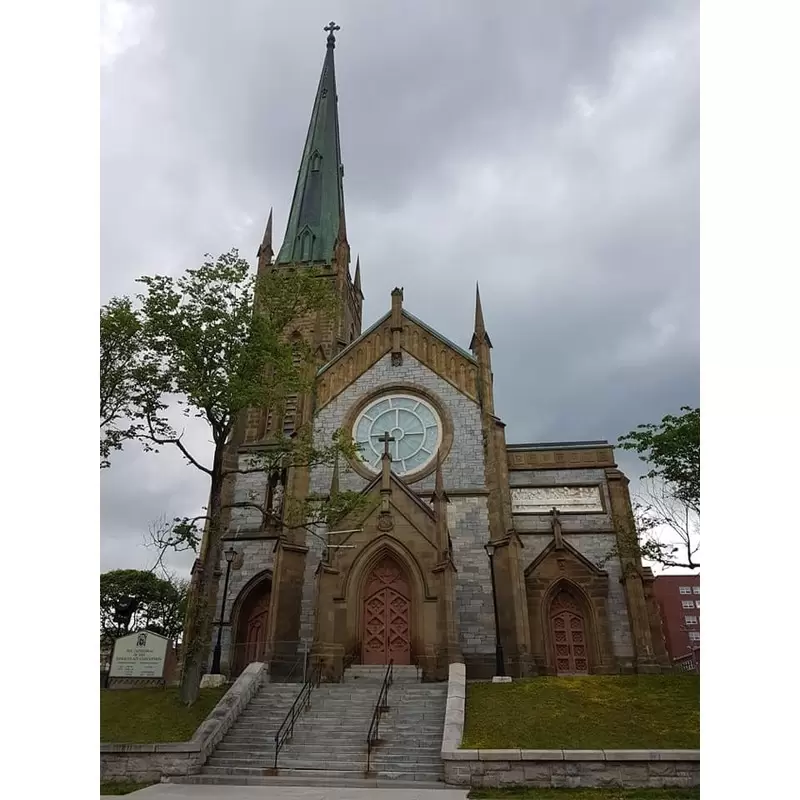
144	716
121	787
585	794
594	712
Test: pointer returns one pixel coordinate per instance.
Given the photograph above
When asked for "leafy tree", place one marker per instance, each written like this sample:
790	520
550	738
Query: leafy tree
120	330
672	451
670	500
133	599
212	344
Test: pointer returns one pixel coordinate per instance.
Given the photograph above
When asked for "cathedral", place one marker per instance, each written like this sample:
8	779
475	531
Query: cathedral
502	556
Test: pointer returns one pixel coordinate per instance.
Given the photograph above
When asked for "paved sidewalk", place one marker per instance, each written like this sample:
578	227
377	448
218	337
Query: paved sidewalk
177	791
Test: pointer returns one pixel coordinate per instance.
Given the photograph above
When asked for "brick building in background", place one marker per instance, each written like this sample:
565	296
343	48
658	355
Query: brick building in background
678	598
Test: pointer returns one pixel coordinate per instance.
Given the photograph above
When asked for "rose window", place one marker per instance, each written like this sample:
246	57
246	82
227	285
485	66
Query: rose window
414	428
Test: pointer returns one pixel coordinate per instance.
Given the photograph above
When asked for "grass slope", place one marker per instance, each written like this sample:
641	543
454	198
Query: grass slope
584	794
144	716
592	712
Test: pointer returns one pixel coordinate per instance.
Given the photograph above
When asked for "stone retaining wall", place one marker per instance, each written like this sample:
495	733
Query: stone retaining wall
152	762
546	768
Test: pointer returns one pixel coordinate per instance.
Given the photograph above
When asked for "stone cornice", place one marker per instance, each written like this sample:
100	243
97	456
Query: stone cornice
561	458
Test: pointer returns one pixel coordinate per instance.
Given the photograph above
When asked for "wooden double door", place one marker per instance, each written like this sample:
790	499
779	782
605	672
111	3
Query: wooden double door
568	632
386	616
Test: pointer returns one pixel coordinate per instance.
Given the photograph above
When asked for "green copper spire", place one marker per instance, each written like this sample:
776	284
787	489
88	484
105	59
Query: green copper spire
317	214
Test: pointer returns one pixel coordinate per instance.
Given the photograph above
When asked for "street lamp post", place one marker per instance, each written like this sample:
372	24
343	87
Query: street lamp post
230	554
500	667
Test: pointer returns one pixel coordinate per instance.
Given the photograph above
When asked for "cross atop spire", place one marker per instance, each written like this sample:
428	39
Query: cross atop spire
331	27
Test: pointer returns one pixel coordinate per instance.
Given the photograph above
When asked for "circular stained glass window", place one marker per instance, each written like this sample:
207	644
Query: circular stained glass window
414	428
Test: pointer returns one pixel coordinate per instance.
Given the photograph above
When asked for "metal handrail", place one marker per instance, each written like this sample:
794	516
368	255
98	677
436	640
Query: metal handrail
301	662
301	702
381	706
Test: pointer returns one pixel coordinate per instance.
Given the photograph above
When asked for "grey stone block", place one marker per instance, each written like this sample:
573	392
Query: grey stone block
542	755
630	755
584	755
499	755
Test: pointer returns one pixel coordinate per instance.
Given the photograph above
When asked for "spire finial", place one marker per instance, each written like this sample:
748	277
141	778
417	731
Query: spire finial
479	326
331	27
479	334
266	243
357	278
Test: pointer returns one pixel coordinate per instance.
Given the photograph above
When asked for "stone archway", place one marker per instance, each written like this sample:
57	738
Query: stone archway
386	615
250	631
569	636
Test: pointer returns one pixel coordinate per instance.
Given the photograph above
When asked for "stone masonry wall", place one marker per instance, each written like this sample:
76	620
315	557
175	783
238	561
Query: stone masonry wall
248	488
591	534
463	469
313	558
256	556
464	466
574	768
468	520
596	547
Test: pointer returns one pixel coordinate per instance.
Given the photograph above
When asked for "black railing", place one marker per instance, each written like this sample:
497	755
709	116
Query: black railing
299	669
301	702
381	706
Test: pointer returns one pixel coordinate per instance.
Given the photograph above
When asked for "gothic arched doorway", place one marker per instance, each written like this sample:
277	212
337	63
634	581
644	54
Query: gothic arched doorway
251	627
569	636
386	619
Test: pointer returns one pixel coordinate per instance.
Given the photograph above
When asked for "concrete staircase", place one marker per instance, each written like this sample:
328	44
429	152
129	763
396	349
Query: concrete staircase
329	745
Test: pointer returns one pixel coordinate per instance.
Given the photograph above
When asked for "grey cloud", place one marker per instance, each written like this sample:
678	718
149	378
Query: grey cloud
549	150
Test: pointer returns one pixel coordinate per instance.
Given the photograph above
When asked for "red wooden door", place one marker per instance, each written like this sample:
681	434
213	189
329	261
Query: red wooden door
252	630
569	637
386	619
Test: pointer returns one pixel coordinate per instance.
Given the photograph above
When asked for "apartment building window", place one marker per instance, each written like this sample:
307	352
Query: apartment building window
697	603
694	636
690	620
685	589
696	590
687	603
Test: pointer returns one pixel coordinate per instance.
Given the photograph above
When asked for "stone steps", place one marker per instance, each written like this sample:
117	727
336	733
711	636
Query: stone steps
404	774
329	741
317	760
308	779
316	750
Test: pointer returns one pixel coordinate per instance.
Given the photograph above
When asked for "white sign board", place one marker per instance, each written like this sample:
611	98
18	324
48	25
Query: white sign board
139	655
541	499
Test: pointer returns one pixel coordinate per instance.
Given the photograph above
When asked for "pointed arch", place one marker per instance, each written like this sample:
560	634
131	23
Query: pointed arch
571	628
402	602
371	555
248	622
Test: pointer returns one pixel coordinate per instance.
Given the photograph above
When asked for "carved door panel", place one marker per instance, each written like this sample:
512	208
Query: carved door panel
386	618
252	633
569	637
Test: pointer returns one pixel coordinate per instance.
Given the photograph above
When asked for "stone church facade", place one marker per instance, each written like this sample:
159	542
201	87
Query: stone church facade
408	578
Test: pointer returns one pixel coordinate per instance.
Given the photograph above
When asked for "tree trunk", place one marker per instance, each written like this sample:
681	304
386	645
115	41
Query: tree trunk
197	631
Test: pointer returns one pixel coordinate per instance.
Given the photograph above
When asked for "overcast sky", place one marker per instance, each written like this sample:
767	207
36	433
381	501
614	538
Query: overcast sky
549	150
